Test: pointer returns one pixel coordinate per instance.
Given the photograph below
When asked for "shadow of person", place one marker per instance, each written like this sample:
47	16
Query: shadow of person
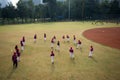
72	60
81	50
52	68
94	59
11	72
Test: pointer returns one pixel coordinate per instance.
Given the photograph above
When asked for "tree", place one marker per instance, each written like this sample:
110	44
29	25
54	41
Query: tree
61	12
52	9
8	12
104	9
0	10
114	9
22	10
76	9
30	9
90	9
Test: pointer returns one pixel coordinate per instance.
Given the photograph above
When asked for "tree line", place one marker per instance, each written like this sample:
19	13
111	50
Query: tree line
52	10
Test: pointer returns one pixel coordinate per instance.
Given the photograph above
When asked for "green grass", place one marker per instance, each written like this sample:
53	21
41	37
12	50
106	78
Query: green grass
35	60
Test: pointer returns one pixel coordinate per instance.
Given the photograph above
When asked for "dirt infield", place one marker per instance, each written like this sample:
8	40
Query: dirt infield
106	36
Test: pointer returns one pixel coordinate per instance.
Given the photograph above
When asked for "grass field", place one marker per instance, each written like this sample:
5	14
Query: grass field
35	60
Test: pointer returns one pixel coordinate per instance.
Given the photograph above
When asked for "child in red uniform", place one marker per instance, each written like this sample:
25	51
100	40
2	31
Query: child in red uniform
52	43
63	37
68	38
58	46
54	39
22	46
71	53
16	47
45	37
18	54
91	51
52	57
35	37
74	39
23	40
14	60
79	44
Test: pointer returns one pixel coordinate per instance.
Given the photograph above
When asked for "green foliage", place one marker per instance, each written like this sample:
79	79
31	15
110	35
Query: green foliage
53	10
114	9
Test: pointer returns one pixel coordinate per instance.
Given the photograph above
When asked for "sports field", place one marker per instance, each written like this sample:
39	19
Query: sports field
35	61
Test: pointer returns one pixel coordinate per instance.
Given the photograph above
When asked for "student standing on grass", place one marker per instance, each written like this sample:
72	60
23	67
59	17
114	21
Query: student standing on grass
35	38
79	44
23	40
52	57
17	52
18	55
68	38
74	40
52	43
22	46
71	53
58	46
16	47
54	39
14	60
63	37
91	51
45	37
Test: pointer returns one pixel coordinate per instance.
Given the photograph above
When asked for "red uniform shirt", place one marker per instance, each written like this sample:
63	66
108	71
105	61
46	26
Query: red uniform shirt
74	37
35	36
63	37
91	49
79	42
52	54
52	41
21	43
23	39
54	37
14	57
58	43
18	52
68	36
16	47
71	50
44	35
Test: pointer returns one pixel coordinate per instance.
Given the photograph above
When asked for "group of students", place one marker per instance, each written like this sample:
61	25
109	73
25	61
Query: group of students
35	37
16	53
71	51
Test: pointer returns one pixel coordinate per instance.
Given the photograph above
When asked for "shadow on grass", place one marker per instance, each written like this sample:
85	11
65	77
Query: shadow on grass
80	49
94	59
72	61
52	68
11	72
